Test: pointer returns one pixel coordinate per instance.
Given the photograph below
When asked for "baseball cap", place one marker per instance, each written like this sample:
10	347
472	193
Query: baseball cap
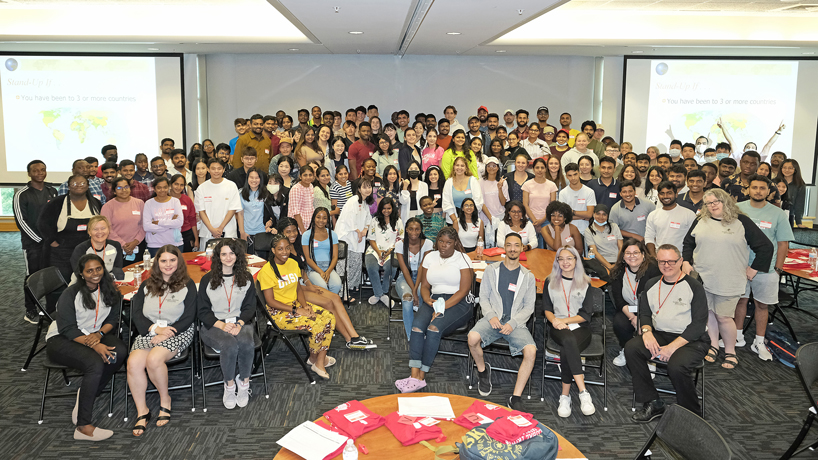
508	111
599	127
543	108
483	107
493	160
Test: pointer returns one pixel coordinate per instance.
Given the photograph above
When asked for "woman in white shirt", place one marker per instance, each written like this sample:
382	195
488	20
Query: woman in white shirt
412	190
491	198
445	282
353	224
470	227
458	187
410	253
515	221
385	230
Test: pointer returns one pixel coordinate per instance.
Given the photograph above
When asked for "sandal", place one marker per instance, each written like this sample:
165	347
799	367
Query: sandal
142	428
163	418
712	354
729	364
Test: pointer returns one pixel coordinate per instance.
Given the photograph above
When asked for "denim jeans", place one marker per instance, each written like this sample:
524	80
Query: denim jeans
334	284
372	267
540	238
236	352
402	287
424	345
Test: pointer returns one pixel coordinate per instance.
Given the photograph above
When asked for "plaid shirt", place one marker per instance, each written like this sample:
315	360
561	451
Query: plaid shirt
301	203
740	191
147	179
432	225
139	191
94	186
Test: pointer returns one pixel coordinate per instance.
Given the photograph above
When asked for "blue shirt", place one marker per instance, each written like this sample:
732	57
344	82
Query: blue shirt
253	214
458	196
233	144
321	250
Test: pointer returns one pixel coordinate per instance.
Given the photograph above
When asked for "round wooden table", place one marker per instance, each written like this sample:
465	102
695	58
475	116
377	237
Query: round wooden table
381	444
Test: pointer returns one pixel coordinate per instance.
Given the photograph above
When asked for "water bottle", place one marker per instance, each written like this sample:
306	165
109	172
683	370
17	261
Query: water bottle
209	252
146	259
350	451
480	246
813	259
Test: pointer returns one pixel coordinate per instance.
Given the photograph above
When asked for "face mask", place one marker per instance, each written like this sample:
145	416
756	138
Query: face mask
562	144
700	149
414	174
674	152
721	156
601	224
273	188
711	159
748	149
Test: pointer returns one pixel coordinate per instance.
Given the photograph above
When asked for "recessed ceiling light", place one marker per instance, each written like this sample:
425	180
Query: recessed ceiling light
809	52
293	49
356	32
638	52
452	33
153	49
500	51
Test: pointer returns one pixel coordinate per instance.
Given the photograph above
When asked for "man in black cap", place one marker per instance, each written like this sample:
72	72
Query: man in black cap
542	119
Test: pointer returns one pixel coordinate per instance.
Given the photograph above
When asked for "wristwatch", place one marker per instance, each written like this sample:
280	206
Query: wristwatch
646	329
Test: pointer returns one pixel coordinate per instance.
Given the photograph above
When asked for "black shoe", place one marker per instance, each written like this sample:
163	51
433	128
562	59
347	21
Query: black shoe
649	411
516	403
484	381
360	343
32	317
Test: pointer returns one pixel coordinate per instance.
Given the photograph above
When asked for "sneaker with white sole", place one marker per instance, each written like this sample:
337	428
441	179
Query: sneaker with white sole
243	395
619	361
740	342
385	300
564	410
585	403
484	381
32	317
361	343
761	350
373	300
229	398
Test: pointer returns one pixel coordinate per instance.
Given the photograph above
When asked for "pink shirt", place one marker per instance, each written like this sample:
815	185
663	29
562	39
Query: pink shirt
539	196
126	220
301	203
431	157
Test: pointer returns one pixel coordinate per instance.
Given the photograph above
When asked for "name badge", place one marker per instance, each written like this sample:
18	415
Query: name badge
572	326
395	161
675	225
315	244
136	213
267	151
437	196
82	227
184	207
468	191
523	233
763	224
230	320
640	218
110	252
569	240
612	195
161	323
611	237
580	200
96	196
633	308
208	199
512	287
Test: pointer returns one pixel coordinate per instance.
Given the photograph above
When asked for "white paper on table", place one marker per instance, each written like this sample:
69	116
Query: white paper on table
312	442
254	259
128	277
129	295
479	275
426	406
254	270
479	265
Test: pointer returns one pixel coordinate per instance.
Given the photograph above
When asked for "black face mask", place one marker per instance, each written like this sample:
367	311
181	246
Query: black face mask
414	174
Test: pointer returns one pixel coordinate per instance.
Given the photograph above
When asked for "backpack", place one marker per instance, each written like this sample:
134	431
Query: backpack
477	445
782	347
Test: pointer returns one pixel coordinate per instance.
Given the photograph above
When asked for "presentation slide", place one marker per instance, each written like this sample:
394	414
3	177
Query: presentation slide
60	108
725	100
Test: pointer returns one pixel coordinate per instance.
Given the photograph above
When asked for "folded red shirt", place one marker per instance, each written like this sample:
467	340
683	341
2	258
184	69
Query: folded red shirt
491	252
354	419
514	428
412	430
480	413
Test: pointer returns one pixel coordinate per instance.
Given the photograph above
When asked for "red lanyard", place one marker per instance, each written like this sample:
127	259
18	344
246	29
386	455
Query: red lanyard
96	312
161	301
662	302
230	296
637	284
567	303
95	249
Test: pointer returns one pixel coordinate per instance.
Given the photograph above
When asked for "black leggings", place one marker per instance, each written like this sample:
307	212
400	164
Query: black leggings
623	328
571	344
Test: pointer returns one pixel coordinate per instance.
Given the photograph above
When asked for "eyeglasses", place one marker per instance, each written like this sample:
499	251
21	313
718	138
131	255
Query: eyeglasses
566	259
78	184
514	211
668	262
123	187
712	203
633	254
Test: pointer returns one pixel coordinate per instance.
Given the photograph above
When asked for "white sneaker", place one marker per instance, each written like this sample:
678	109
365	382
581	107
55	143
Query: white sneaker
229	398
385	300
761	350
652	368
243	395
740	342
619	361
721	343
565	406
373	300
585	403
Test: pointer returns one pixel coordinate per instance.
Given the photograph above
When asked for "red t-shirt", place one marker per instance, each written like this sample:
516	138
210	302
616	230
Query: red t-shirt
354	419
480	413
358	153
444	141
514	428
188	212
412	430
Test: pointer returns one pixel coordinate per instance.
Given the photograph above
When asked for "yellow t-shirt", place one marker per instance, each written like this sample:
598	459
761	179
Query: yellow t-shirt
572	135
285	289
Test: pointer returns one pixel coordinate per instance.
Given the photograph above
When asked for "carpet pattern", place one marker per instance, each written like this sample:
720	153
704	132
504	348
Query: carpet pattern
758	407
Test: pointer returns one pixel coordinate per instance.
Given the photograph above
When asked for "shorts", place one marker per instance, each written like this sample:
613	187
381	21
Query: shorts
177	343
722	305
517	340
764	287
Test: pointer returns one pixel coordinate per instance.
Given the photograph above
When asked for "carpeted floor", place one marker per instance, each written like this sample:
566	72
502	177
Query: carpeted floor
758	407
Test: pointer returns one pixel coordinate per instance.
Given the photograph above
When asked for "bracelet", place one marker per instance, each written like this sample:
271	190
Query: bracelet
778	132
101	334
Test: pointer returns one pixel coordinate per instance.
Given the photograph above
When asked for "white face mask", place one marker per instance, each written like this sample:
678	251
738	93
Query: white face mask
674	152
562	144
701	148
273	188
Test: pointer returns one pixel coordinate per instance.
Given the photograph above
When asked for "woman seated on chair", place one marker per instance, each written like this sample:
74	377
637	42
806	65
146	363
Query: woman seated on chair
288	307
445	285
385	231
516	221
110	251
84	336
319	296
320	248
560	231
470	227
410	252
163	311
633	269
568	308
226	315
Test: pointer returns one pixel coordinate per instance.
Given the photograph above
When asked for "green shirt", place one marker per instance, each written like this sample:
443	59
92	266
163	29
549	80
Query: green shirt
772	221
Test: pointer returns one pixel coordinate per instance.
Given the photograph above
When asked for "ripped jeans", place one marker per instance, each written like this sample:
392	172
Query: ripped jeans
402	288
425	341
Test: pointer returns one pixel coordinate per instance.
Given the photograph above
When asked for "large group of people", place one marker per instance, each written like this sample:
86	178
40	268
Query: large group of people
409	202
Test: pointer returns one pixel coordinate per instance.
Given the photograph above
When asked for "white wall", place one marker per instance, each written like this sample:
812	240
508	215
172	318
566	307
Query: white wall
239	85
612	95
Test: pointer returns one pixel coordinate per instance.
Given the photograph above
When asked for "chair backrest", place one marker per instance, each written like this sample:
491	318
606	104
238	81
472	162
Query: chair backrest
44	282
212	243
598	297
263	242
805	236
690	436
342	250
262	307
806	363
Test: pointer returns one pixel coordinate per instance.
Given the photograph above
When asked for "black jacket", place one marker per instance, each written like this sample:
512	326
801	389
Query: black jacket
27	204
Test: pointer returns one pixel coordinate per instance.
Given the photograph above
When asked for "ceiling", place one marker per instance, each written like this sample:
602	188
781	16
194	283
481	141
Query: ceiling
417	27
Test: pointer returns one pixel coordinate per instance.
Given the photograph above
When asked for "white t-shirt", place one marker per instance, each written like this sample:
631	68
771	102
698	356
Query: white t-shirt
414	259
216	200
668	227
468	236
444	274
528	234
579	200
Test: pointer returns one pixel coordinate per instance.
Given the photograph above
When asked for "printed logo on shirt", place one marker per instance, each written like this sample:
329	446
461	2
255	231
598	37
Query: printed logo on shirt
288	279
727	231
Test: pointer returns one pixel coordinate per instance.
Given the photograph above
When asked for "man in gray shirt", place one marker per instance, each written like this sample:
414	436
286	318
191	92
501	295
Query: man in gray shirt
631	214
507	295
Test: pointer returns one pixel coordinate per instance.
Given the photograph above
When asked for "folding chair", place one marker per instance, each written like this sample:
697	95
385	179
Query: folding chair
685	435
273	333
394	298
806	365
343	251
661	371
500	348
40	284
595	350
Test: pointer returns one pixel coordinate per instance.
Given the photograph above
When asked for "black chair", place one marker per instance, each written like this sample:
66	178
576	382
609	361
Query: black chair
806	364
394	298
500	348
52	366
273	333
186	361
40	284
595	350
685	435
208	353
343	251
460	335
262	244
661	371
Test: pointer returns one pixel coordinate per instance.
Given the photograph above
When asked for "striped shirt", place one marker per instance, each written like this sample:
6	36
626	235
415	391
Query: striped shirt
341	193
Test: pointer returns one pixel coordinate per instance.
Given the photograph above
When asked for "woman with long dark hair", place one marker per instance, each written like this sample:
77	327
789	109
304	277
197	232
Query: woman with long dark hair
510	186
337	157
435	182
368	173
412	190
251	218
385	231
390	188
470	227
162	217
352	227
410	254
796	188
83	336
384	155
124	212
190	232
515	221
200	175
321	187
458	148
302	199
320	247
655	176
537	194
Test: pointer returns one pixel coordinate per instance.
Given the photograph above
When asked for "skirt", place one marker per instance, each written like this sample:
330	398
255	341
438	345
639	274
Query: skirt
354	264
178	342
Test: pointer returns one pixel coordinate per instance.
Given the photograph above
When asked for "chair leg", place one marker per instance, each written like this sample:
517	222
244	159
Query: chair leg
702	370
65	377
264	374
193	369
785	320
34	351
204	389
45	390
111	403
798	440
298	356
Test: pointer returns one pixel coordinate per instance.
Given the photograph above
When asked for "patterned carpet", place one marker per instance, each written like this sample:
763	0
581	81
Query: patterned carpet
758	407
